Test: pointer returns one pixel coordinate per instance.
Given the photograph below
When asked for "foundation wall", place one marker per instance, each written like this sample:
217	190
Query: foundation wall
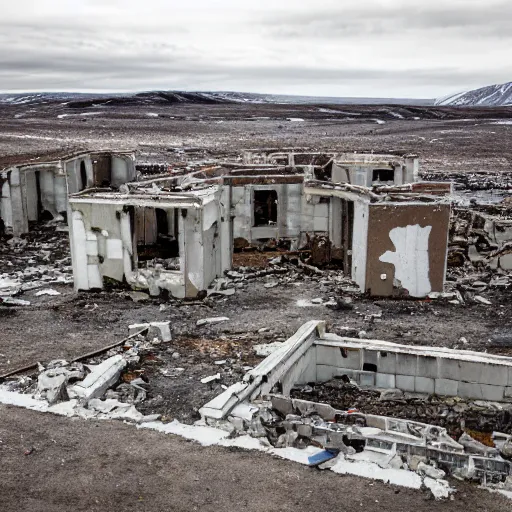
419	373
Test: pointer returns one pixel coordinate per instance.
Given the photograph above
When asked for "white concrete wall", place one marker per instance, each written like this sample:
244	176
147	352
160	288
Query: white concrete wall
97	244
31	197
442	375
18	203
5	204
360	243
289	212
74	178
123	170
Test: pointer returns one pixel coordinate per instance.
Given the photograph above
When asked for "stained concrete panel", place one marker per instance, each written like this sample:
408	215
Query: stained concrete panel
446	387
448	369
427	367
405	382
424	385
385	217
406	364
387	363
385	380
480	391
333	356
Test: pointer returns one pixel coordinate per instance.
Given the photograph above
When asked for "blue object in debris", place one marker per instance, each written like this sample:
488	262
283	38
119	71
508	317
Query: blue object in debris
321	457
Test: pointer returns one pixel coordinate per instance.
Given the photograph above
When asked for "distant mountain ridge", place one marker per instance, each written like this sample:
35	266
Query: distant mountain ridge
499	95
84	100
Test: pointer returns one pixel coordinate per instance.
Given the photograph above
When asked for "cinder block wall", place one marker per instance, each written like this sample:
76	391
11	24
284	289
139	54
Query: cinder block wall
444	375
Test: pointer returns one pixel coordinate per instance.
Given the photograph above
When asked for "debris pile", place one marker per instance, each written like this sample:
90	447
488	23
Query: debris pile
34	261
453	413
102	388
349	436
481	239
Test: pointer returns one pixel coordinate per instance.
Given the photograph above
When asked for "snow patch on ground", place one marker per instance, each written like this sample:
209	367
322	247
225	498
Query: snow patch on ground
208	436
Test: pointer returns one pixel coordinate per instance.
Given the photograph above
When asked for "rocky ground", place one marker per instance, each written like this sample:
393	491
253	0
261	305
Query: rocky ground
265	309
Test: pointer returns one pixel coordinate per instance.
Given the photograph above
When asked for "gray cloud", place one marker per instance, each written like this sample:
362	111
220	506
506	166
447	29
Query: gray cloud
482	20
366	50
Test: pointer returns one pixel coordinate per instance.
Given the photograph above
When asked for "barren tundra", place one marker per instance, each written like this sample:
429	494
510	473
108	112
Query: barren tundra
451	143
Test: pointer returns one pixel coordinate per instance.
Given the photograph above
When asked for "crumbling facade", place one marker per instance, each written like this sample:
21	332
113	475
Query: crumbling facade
31	190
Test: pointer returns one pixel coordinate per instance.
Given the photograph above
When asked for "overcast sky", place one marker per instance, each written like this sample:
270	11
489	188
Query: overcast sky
372	48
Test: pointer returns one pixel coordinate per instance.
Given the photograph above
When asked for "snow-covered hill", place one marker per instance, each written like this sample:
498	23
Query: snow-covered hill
499	95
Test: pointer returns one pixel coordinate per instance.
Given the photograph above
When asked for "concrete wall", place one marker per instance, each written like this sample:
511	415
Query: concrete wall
19	200
447	374
407	248
5	202
360	243
296	213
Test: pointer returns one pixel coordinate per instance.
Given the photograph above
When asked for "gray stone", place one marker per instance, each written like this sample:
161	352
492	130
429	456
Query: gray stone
391	394
214	320
430	471
102	377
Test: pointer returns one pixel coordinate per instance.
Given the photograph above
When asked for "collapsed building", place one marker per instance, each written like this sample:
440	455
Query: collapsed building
38	189
367	214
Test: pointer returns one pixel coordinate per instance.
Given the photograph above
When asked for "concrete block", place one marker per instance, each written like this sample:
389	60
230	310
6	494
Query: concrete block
321	224
321	210
496	375
384	380
427	367
367	379
353	359
405	382
446	387
94	277
406	364
386	363
448	369
480	391
160	330
114	249
91	247
509	376
102	377
508	392
424	385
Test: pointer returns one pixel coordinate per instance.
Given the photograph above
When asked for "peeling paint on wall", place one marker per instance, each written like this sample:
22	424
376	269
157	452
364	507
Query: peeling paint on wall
410	258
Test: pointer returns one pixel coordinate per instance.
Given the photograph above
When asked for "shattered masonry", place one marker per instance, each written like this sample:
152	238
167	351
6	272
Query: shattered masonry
261	404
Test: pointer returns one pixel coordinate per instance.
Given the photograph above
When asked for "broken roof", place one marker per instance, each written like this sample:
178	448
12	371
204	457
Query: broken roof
56	157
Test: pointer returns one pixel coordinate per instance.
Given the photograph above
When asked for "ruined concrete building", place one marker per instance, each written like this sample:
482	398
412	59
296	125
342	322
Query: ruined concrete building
365	213
38	189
